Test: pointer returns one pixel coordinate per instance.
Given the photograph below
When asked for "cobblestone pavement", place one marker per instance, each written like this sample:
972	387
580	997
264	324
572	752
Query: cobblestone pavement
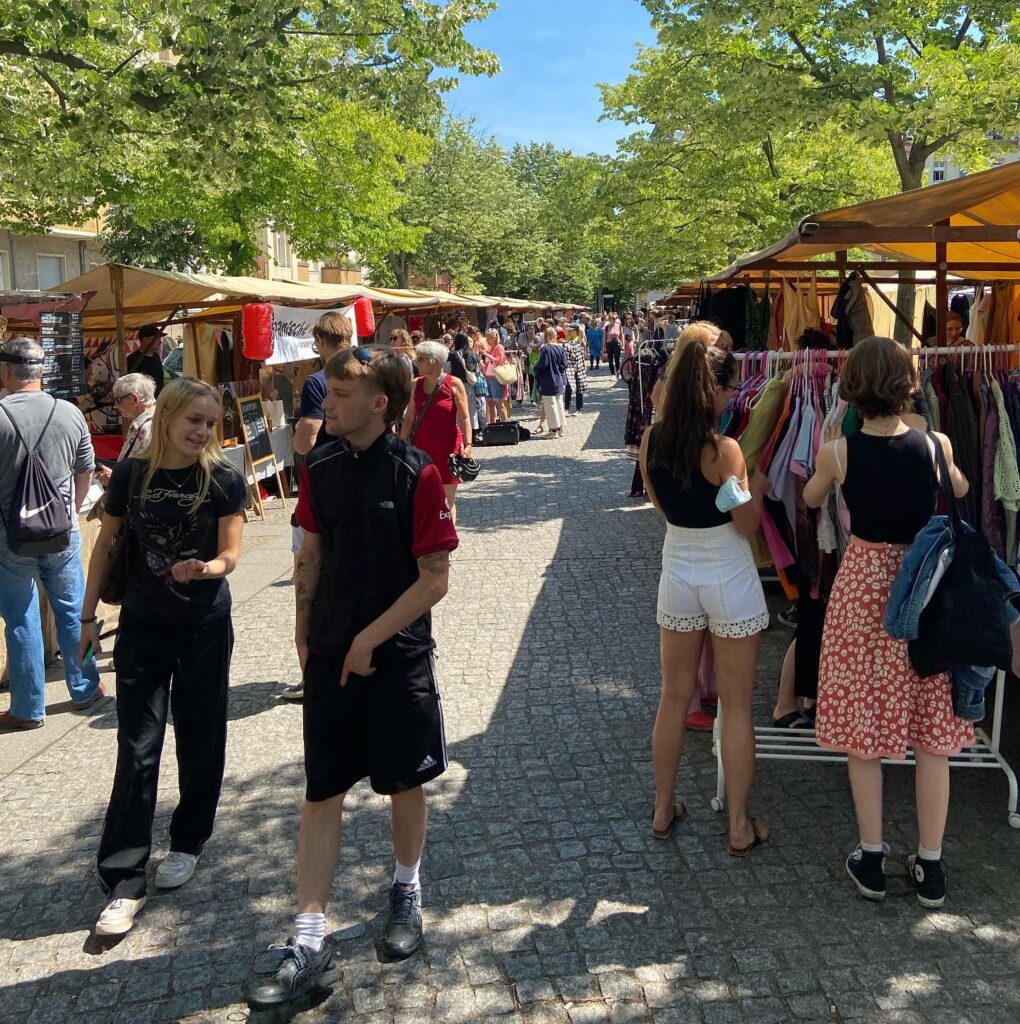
547	900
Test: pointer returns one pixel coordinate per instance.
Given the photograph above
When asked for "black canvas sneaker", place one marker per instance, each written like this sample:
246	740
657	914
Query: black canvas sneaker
868	872
285	973
403	929
929	881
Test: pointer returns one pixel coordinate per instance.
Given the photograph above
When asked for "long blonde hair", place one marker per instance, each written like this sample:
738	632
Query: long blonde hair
172	401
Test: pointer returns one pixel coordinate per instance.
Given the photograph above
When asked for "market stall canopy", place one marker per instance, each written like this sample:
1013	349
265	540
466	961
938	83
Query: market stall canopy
976	218
154	295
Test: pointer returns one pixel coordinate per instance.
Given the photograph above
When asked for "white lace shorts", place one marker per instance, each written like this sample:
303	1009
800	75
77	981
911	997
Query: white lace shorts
709	581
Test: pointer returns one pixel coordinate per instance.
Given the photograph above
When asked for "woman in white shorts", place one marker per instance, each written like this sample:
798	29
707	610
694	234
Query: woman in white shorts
709	581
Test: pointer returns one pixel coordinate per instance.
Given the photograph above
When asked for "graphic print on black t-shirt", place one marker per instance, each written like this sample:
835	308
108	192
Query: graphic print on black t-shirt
165	531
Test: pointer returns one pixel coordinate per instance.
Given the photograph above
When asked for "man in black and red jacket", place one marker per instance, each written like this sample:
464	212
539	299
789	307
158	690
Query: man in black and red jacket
374	562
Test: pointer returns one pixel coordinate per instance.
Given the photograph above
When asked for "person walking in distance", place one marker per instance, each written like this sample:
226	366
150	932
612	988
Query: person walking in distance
438	421
577	377
375	561
594	337
57	432
134	395
614	345
183	507
551	374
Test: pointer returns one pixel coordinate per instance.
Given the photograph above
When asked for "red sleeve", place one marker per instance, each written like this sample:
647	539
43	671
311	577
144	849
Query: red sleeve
433	521
305	514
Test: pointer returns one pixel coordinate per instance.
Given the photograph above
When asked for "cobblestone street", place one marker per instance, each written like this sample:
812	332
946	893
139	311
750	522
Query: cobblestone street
546	897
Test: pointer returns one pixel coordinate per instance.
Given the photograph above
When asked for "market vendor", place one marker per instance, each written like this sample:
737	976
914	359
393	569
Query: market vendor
147	357
134	395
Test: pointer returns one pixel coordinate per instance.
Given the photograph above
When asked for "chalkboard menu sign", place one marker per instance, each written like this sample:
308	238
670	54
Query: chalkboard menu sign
256	429
64	344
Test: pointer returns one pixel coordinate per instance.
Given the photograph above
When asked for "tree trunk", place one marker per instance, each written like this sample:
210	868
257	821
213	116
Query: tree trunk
400	264
910	161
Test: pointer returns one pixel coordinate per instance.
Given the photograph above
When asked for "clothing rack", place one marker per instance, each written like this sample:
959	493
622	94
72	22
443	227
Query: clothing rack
774	744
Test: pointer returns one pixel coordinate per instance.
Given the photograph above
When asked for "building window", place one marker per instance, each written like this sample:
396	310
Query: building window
50	271
938	171
280	247
5	271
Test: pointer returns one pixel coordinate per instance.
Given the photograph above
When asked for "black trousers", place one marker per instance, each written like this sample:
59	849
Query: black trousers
570	392
185	668
614	350
594	362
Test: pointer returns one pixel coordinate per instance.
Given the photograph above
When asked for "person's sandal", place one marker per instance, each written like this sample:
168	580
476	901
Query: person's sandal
791	720
760	837
679	813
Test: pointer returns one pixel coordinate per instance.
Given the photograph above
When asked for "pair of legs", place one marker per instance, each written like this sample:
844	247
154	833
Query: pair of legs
495	410
931	784
552	407
319	843
593	362
614	352
735	663
570	394
63	579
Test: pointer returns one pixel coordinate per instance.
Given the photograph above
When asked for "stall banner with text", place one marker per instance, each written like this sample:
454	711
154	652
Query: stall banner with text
292	332
63	343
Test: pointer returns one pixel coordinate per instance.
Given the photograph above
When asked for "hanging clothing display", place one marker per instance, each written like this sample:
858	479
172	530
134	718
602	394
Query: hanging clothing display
800	310
852	312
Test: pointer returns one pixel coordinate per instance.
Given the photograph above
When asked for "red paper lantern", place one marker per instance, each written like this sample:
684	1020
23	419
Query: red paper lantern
364	316
257	320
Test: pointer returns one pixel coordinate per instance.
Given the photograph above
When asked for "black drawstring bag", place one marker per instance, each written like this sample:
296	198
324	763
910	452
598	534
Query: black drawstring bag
965	622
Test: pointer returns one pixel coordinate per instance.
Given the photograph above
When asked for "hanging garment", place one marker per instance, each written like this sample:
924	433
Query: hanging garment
800	309
1006	472
852	313
993	523
961	425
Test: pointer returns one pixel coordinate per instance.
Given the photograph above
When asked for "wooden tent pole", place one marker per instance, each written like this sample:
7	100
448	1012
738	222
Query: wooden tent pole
892	305
117	286
941	290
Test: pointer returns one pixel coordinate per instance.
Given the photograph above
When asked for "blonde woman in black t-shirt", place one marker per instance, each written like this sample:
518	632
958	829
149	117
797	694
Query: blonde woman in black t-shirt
183	505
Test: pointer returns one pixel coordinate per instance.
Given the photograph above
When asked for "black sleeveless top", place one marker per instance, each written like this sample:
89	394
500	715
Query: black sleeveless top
691	507
890	487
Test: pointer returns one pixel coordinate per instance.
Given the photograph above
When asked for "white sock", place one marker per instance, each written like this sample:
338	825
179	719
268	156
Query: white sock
407	876
873	847
925	854
310	930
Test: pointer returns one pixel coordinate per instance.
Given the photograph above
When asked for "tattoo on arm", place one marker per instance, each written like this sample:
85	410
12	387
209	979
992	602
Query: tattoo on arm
436	564
305	583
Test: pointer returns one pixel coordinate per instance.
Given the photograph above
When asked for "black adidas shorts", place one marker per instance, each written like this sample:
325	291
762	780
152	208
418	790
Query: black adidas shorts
387	728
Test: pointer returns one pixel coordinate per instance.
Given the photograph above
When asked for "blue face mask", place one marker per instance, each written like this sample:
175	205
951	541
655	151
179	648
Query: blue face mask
731	495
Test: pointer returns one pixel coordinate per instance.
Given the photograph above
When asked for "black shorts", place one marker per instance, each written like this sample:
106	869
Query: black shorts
387	728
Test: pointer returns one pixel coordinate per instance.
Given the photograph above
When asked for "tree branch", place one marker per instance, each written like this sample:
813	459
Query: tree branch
961	33
816	71
52	84
16	48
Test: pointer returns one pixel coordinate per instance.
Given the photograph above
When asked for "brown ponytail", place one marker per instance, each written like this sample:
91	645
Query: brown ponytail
687	417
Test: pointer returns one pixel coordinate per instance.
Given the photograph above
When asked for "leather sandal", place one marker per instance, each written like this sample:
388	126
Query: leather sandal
679	813
760	837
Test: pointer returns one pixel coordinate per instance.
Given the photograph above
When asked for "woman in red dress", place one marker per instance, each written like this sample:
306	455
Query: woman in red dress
438	420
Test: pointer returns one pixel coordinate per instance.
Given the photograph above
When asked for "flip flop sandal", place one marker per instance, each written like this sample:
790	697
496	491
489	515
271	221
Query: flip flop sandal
759	839
791	720
679	813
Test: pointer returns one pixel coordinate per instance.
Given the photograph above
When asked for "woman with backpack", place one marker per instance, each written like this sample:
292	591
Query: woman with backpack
180	505
438	420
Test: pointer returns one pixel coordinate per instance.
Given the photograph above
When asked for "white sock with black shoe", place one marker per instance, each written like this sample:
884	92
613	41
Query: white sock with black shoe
408	876
310	931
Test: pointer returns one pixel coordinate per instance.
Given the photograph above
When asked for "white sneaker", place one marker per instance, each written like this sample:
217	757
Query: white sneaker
175	870
118	916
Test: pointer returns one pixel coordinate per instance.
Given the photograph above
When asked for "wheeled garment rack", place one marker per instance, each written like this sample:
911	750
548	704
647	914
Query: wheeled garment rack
774	744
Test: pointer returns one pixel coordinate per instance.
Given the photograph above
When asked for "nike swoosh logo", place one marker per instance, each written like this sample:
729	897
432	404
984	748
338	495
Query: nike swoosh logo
27	513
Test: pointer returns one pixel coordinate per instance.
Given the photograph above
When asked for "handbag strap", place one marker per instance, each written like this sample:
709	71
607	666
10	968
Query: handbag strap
946	485
425	408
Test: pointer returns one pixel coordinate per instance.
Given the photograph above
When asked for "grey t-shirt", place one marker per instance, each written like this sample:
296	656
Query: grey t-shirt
66	448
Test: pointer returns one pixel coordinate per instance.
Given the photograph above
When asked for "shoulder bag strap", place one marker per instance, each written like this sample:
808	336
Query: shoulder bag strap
946	485
425	408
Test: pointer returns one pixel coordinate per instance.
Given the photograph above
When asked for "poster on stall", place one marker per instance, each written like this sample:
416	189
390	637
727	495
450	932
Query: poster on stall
292	332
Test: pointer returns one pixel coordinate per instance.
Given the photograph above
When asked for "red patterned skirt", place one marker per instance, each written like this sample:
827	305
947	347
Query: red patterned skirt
871	702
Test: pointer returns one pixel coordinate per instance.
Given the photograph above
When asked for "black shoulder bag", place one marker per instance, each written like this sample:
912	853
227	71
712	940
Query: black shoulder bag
965	622
425	408
115	579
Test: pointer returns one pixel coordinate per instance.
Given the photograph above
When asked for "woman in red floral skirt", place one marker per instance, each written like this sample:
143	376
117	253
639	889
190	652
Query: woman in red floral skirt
871	703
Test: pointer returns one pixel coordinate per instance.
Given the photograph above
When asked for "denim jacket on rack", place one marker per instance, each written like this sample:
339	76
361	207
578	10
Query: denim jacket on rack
924	565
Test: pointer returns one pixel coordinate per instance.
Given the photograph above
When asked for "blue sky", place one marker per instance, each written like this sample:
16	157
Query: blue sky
553	53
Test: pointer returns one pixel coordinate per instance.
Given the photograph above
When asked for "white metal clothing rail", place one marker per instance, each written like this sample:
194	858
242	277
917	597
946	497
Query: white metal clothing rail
799	744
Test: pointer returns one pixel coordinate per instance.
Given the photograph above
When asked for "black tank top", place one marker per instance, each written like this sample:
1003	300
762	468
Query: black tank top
890	486
692	507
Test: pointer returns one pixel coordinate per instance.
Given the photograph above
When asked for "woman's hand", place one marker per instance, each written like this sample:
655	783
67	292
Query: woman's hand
89	638
104	474
833	432
191	569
